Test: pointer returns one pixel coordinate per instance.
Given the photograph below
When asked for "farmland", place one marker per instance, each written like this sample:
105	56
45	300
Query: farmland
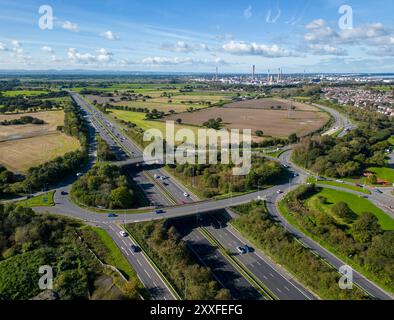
162	100
25	146
275	123
20	155
138	118
270	103
26	93
52	119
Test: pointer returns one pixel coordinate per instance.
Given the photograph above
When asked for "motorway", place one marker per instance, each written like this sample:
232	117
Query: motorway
223	271
114	135
274	278
146	273
340	121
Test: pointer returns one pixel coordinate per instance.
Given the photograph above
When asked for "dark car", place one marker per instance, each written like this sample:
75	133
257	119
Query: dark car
64	193
160	211
112	215
135	249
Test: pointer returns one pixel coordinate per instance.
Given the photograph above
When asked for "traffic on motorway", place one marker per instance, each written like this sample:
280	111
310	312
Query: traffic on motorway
169	199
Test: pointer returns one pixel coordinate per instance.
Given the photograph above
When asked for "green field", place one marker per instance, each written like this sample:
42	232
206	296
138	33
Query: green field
13	93
178	101
386	174
357	205
44	200
391	140
138	118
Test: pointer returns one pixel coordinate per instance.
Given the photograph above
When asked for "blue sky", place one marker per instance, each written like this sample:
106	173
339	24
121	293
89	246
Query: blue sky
197	36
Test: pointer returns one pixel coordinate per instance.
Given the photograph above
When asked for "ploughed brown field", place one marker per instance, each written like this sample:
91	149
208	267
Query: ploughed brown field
52	119
271	103
275	123
26	146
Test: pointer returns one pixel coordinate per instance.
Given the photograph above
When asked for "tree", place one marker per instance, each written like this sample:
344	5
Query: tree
373	179
259	133
122	198
293	138
366	227
342	210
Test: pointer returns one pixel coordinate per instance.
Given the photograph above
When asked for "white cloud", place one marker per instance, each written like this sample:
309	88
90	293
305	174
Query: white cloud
68	25
102	56
3	47
369	34
243	48
384	51
180	46
202	47
109	35
326	49
316	24
170	61
17	49
248	13
47	49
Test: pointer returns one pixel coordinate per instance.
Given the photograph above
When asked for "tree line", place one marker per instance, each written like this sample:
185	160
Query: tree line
359	240
21	121
170	252
218	179
256	224
29	241
51	172
350	155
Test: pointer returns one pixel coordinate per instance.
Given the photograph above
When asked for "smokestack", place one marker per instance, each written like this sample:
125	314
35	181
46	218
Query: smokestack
217	74
278	74
268	76
253	72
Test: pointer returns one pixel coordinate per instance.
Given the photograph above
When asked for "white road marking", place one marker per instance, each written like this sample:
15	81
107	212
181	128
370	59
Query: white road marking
279	290
147	274
139	262
287	288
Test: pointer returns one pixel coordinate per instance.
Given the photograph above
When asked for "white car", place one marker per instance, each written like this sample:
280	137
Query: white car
186	195
123	233
279	192
79	174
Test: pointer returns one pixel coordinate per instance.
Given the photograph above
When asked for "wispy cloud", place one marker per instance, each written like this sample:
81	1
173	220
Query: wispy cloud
248	13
